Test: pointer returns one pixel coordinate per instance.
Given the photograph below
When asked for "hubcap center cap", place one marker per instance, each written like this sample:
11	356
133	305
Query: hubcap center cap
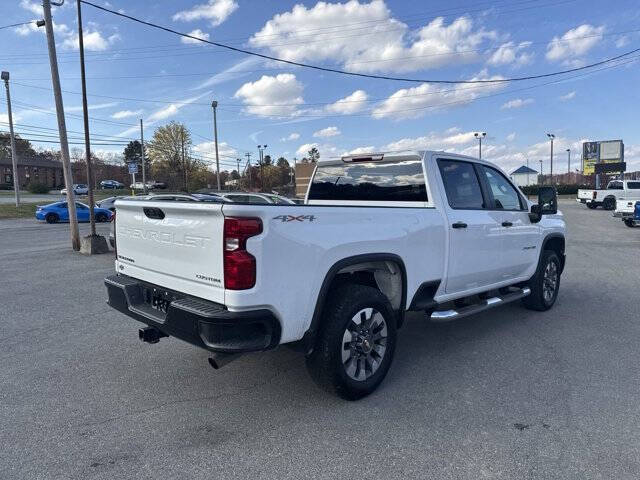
365	345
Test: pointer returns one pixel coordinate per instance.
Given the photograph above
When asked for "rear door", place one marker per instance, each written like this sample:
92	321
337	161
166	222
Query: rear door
520	236
176	245
475	233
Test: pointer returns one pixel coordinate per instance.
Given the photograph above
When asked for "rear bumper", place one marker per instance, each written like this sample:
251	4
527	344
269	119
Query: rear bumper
202	323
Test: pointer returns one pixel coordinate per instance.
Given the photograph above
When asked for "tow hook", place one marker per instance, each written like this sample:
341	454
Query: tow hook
219	360
150	335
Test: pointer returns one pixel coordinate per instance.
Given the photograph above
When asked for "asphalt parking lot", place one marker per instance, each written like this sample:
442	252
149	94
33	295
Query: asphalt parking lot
509	393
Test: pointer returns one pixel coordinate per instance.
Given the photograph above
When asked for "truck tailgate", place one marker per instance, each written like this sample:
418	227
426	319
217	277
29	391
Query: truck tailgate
176	245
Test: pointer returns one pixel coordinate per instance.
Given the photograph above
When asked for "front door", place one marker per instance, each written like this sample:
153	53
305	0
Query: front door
520	237
475	231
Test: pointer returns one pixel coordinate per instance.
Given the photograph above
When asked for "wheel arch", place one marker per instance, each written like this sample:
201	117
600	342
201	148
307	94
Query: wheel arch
555	242
354	265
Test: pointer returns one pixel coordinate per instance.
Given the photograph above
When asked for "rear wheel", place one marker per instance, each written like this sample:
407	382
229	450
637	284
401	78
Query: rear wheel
101	218
545	283
629	222
355	344
609	203
51	218
591	205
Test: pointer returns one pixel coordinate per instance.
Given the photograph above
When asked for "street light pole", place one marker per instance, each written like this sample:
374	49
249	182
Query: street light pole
14	155
541	173
480	136
214	105
551	137
248	155
569	164
62	126
261	160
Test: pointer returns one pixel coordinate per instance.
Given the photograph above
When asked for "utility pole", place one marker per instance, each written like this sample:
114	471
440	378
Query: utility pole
248	155
261	162
214	105
85	115
569	164
62	126
14	155
551	137
480	136
144	171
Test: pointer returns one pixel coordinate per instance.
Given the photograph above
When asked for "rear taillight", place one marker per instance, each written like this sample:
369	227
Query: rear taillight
239	265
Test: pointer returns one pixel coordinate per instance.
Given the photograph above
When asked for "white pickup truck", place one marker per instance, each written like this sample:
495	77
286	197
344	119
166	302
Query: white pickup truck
607	199
379	235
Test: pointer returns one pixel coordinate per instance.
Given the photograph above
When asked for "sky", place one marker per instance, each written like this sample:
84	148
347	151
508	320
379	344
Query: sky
134	71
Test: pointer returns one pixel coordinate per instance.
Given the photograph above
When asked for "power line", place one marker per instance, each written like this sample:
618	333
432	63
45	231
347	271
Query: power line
346	72
16	24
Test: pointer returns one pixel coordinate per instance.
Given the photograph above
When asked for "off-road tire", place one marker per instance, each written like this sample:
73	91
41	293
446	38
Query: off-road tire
538	300
591	205
325	362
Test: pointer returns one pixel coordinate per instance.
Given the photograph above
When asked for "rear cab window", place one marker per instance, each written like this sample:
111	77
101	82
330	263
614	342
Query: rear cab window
633	185
461	184
370	181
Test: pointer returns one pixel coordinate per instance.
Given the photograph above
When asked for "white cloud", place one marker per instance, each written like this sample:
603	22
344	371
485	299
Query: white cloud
517	103
208	150
93	41
272	96
198	34
33	7
126	114
304	149
235	71
361	150
164	113
216	11
94	106
434	141
574	44
327	132
511	137
568	96
350	104
623	41
291	136
510	53
414	102
383	43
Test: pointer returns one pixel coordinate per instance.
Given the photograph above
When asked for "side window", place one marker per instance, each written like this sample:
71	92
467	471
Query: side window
257	199
505	197
80	206
63	205
461	184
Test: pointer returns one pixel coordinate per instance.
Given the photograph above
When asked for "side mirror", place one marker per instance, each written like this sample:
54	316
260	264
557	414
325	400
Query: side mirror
547	204
548	200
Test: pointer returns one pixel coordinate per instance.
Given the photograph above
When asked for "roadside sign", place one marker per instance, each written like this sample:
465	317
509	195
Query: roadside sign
610	167
133	168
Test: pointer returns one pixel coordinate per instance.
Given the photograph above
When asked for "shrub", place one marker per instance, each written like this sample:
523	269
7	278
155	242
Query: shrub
35	187
571	189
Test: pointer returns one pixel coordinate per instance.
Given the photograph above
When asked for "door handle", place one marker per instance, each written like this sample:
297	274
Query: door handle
459	225
507	224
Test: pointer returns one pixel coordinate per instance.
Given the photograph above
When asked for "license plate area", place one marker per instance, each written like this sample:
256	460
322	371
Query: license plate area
157	298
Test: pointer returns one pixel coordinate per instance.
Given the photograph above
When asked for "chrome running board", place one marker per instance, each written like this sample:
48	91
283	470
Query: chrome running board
449	315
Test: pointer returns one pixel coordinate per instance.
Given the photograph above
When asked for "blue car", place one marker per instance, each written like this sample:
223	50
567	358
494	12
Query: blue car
59	212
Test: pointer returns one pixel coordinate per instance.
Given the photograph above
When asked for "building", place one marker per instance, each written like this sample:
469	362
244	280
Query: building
33	170
524	176
304	171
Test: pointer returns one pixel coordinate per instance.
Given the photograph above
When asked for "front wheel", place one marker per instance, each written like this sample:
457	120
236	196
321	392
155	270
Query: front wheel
629	222
355	344
51	218
609	203
545	284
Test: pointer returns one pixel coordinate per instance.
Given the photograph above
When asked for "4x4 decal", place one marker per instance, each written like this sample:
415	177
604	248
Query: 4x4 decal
294	218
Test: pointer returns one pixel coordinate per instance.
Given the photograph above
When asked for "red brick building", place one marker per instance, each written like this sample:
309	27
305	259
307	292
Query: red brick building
33	170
